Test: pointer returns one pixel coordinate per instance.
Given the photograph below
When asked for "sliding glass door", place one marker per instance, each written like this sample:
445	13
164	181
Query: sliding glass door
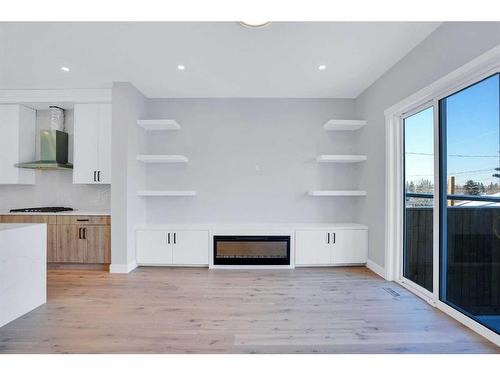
469	122
418	135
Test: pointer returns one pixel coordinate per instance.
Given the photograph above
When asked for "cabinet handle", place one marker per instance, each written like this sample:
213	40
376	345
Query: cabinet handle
84	233
174	238
94	176
99	176
80	233
328	238
334	237
168	238
82	219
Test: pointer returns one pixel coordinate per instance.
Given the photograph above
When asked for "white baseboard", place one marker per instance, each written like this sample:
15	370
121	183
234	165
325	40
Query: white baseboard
379	270
122	268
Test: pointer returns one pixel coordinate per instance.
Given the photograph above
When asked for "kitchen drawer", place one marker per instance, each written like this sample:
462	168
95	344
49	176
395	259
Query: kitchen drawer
83	220
38	219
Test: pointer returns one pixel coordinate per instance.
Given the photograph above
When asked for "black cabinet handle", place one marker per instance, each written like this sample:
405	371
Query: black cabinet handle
168	238
94	176
99	176
334	237
84	233
328	238
80	233
82	219
174	238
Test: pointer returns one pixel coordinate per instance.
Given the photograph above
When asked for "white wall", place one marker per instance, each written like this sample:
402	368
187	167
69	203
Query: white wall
55	188
127	209
449	47
252	160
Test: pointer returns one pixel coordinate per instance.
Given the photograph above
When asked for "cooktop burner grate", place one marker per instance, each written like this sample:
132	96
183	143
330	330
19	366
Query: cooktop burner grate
42	209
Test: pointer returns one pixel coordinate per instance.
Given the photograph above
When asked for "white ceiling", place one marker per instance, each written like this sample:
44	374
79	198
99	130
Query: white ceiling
222	59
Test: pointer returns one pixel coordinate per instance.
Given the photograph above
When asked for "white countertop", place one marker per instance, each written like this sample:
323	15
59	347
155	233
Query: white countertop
253	227
15	226
64	213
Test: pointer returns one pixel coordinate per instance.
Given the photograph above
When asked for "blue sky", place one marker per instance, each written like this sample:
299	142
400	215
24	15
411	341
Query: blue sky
473	133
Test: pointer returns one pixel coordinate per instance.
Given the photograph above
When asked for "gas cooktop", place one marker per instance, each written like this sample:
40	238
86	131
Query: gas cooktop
42	209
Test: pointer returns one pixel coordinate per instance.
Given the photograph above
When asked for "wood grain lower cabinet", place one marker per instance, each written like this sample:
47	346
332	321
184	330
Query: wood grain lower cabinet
71	238
38	219
98	241
71	247
89	244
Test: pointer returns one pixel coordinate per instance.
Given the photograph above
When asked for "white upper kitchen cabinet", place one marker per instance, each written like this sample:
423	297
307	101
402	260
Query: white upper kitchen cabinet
92	144
17	143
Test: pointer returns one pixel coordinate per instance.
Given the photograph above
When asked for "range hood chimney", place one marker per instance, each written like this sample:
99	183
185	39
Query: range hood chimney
53	145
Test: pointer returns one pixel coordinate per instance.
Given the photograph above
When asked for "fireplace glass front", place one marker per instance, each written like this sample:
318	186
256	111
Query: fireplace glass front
252	250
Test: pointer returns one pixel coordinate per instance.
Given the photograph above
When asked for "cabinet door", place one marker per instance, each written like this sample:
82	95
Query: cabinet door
86	143
98	239
312	248
104	168
17	143
350	247
52	255
190	247
71	246
152	247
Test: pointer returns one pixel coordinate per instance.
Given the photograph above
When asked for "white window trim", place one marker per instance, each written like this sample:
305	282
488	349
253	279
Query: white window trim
481	67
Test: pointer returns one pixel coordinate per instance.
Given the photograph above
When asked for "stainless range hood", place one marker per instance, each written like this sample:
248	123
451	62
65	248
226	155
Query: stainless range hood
53	152
53	144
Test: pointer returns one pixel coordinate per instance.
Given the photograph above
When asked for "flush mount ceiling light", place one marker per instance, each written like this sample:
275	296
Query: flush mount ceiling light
322	67
181	67
255	24
64	68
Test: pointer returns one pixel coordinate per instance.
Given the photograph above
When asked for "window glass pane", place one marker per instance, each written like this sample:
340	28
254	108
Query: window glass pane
470	249
419	188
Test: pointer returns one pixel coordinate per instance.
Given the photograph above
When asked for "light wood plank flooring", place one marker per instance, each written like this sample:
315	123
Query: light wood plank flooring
189	310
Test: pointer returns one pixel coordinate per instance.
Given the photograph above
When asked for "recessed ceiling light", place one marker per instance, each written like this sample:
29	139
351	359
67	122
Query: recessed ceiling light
65	69
322	67
255	24
181	67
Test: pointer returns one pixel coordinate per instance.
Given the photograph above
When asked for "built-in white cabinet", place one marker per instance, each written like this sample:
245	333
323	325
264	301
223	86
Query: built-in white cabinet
172	247
17	143
331	247
92	144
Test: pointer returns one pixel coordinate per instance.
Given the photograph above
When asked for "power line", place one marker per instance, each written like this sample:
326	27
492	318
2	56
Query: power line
454	173
456	155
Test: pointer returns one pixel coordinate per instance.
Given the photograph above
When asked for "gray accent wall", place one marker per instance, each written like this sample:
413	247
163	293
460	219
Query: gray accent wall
452	45
252	161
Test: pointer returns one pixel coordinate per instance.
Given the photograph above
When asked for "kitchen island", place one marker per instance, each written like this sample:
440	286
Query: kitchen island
23	269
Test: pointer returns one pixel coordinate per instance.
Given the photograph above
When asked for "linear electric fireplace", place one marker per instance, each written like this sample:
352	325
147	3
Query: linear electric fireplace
252	250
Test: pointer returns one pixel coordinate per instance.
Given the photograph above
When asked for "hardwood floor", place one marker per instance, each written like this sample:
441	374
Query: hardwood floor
195	310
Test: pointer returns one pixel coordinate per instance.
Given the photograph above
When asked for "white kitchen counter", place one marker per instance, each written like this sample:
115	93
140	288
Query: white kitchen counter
65	213
23	269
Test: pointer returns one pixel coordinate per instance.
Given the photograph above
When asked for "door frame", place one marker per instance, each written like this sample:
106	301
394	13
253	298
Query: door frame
400	278
472	72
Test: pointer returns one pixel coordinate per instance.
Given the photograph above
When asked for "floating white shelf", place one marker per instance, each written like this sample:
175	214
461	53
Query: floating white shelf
162	158
166	193
344	125
159	124
337	193
341	158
